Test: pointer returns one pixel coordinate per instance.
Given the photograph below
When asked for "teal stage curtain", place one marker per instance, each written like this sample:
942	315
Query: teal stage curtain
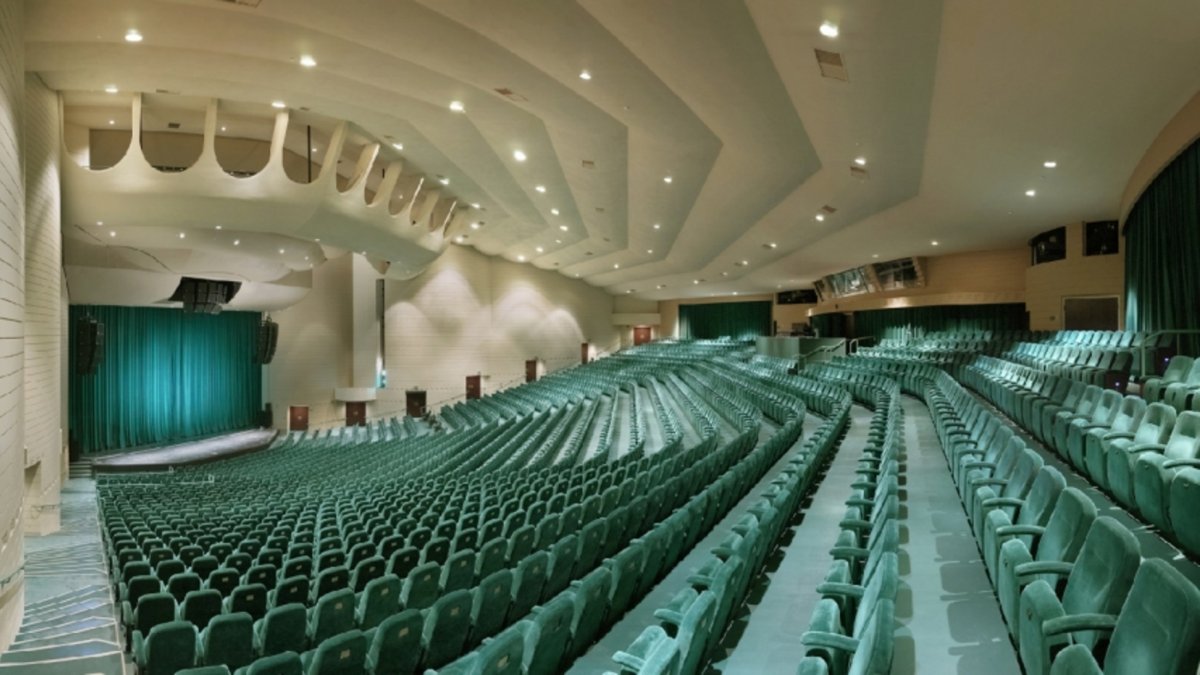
736	320
167	375
1162	252
904	322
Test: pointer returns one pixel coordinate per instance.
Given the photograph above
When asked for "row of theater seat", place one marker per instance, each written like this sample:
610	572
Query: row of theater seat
691	625
1073	589
851	631
351	515
1146	457
1177	386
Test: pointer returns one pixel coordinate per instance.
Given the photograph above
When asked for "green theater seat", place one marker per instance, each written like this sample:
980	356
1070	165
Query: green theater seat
1155	470
459	571
379	600
420	589
501	655
590	613
394	648
1157	630
652	653
169	647
446	626
283	629
333	614
199	607
1034	510
228	640
342	654
528	579
286	663
563	555
547	635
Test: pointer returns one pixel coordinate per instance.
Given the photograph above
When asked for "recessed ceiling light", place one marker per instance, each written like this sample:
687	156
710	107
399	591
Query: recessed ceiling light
540	249
772	245
829	29
616	266
724	274
474	205
820	217
112	233
222	128
667	179
554	212
443	180
284	250
218	227
1030	193
735	292
558	241
520	258
874	255
458	239
585	75
237	242
695	281
629	291
564	228
457	106
308	61
661	286
475	225
132	35
314	149
111	89
658	226
278	105
398	146
650	251
745	262
519	155
306	257
100	223
934	242
1050	164
861	161
540	188
111	122
183	235
318	240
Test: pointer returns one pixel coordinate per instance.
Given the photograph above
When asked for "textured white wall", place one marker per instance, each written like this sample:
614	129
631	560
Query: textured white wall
43	305
467	314
12	311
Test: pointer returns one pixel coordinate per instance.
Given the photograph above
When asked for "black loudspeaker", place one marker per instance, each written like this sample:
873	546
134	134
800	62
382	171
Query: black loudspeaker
268	337
89	346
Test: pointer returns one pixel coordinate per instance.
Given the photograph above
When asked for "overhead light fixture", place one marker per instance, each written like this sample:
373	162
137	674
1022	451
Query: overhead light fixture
629	291
650	251
308	61
540	188
564	228
520	258
518	155
132	35
443	180
772	245
314	149
861	161
100	223
318	240
829	29
1050	164
475	225
237	242
474	205
554	212
278	105
934	242
658	226
283	250
1031	193
111	89
183	235
222	128
585	75
695	281
457	106
540	249
735	292
397	145
820	217
112	233
112	122
616	266
724	274
667	179
745	263
661	286
558	241
458	239
874	255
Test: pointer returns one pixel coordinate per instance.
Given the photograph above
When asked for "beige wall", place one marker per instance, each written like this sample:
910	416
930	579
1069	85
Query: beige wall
976	278
467	314
44	438
1048	284
12	305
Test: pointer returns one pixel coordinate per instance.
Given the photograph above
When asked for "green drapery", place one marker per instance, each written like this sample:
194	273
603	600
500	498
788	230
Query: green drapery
167	375
1162	252
904	322
736	320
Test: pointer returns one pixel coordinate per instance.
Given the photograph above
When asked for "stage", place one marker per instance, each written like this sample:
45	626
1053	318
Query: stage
191	452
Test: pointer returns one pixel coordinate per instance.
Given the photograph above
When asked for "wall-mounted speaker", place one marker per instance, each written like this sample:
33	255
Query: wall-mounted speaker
268	337
89	346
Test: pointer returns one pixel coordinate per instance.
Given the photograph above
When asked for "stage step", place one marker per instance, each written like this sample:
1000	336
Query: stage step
81	468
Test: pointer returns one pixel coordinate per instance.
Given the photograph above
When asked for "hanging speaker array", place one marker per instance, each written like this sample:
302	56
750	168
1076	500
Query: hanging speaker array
268	337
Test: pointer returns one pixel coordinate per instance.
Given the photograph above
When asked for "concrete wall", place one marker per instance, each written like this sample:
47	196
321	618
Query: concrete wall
12	313
1049	284
467	314
44	437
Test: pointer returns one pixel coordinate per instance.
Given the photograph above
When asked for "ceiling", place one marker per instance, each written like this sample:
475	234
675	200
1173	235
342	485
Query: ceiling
953	106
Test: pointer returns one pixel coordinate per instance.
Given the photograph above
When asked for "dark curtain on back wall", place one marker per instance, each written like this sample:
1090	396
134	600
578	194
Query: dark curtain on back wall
167	375
915	321
1162	252
736	320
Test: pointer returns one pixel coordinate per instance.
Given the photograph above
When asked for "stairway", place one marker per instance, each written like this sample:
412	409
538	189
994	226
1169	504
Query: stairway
81	468
70	621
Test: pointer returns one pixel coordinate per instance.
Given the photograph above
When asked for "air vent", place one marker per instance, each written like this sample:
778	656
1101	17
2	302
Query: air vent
165	91
511	95
831	65
828	209
173	125
589	164
859	172
242	3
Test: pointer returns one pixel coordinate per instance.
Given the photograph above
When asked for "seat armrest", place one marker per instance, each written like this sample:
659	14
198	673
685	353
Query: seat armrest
1176	463
999	482
848	552
1002	501
833	641
1018	530
848	590
1113	435
1029	569
1072	623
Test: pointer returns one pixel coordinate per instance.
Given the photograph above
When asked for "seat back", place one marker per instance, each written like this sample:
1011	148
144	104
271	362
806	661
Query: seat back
1184	442
248	598
1067	527
1043	495
1158	630
229	640
1156	425
340	655
282	630
1129	415
169	648
395	646
446	626
200	606
285	663
1106	407
153	609
333	614
547	635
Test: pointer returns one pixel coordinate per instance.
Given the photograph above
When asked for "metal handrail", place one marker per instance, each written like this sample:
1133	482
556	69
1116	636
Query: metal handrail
802	359
1152	337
